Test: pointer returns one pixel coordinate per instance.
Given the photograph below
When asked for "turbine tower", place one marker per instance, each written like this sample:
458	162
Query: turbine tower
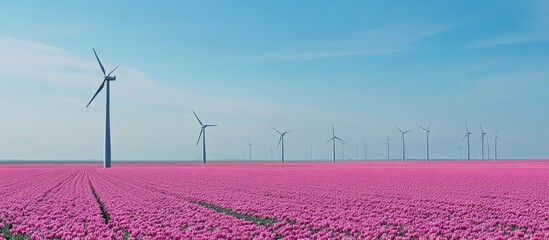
427	131
281	140
203	136
403	142
388	147
250	149
467	135
496	146
482	133
107	78
333	138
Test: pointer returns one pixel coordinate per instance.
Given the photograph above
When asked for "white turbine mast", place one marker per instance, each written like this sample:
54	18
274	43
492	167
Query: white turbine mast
203	136
249	149
403	142
333	139
467	135
482	134
427	131
281	140
388	147
107	78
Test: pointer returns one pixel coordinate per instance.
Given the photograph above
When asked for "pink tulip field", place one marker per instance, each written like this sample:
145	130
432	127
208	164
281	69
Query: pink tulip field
375	200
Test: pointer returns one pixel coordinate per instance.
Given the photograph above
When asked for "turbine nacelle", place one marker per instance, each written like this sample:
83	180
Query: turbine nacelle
110	78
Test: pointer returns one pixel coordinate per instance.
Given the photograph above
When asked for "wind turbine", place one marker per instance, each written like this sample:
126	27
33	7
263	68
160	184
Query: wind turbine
467	135
482	133
403	143
496	146
107	78
203	136
250	149
333	138
427	131
281	140
388	147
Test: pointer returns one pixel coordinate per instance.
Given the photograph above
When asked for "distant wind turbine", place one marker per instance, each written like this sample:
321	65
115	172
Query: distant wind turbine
482	133
333	139
427	131
203	136
107	78
388	147
467	135
281	140
250	149
403	142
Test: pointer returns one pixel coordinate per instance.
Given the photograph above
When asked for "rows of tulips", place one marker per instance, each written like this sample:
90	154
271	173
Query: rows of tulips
49	203
268	201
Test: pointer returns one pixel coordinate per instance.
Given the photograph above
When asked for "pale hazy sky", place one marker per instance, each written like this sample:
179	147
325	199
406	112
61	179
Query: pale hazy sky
297	65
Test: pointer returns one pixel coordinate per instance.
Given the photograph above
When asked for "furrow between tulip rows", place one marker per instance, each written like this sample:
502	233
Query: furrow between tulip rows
104	212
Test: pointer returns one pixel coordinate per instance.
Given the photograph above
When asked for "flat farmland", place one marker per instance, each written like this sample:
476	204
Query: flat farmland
377	200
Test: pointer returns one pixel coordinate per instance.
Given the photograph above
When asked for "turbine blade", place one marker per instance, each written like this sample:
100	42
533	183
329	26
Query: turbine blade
211	125
98	90
429	127
279	140
112	70
329	140
466	127
423	128
333	131
198	119
101	65
199	136
482	130
276	130
398	128
407	132
497	131
286	132
464	137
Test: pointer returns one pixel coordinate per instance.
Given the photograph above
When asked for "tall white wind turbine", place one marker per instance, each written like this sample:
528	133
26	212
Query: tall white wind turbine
107	78
403	142
203	136
482	134
388	147
281	140
467	135
427	131
333	139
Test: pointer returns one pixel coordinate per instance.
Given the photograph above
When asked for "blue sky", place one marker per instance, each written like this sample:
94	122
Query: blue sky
298	65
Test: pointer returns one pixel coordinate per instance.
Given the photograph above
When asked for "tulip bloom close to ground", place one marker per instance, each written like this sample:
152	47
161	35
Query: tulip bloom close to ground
434	200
